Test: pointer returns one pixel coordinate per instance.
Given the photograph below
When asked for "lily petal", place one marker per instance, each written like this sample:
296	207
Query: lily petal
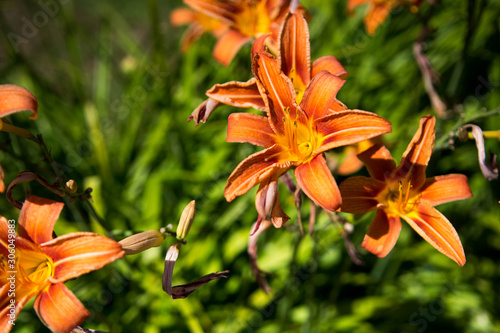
350	164
295	54
359	194
192	34
238	94
417	155
317	182
266	197
378	162
203	111
37	219
2	177
259	44
276	8
218	9
277	90
347	127
247	127
253	170
376	15
351	4
4	234
228	45
278	216
59	309
182	16
442	189
330	64
320	93
80	252
15	98
21	300
435	228
382	234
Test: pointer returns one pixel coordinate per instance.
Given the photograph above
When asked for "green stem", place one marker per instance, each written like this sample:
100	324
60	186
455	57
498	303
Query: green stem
442	142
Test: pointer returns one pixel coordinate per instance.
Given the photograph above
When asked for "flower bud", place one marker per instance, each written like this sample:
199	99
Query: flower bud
265	198
186	220
142	241
462	134
71	186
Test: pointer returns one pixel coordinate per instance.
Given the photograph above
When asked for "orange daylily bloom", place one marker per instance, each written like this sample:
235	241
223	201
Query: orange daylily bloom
43	263
351	163
245	19
295	135
378	10
14	99
294	54
404	192
199	23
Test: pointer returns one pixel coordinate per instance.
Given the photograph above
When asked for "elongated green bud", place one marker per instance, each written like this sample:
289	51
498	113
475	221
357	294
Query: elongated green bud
186	220
142	241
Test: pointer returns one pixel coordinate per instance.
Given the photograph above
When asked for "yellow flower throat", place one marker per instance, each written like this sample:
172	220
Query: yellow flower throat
399	198
34	270
299	139
253	20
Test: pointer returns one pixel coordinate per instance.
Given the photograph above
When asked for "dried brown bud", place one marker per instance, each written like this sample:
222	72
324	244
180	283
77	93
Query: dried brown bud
462	134
142	241
186	220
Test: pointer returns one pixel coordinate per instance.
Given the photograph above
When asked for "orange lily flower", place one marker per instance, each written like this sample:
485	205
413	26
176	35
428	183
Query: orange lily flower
245	20
43	263
378	10
294	135
294	54
351	163
15	99
404	192
199	24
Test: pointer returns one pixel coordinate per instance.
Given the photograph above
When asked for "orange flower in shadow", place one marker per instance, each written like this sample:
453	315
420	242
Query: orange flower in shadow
243	20
43	263
404	192
295	135
15	99
378	10
294	54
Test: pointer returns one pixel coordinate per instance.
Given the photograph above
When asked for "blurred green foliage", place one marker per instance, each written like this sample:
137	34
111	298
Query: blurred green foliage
115	92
